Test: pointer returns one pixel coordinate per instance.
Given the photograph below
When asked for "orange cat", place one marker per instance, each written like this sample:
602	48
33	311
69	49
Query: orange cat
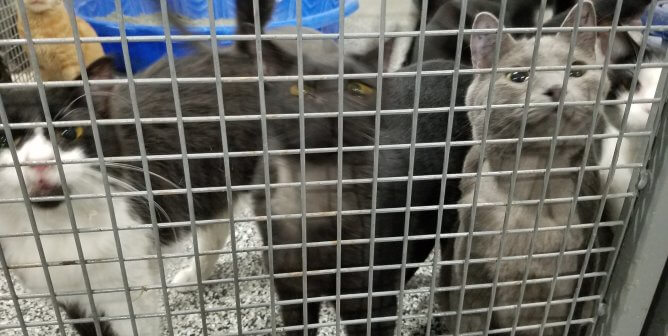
49	19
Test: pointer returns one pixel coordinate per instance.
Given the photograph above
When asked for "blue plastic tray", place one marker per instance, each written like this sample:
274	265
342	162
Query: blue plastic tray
660	18
321	15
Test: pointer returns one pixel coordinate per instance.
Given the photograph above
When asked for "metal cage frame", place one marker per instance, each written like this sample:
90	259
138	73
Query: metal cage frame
630	277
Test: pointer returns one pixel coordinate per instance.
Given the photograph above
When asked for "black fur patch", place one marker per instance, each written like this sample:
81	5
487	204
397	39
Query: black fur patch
5	77
74	311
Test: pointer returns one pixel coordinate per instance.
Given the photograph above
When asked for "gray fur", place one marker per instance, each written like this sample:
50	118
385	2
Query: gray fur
503	124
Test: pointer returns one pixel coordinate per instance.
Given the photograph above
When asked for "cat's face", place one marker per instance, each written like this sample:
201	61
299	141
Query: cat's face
319	95
38	6
35	150
546	86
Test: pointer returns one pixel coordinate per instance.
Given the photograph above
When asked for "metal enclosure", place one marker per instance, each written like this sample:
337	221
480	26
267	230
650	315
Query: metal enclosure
241	298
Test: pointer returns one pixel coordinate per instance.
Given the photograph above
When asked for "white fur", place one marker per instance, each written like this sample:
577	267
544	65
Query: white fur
401	15
549	13
631	148
209	238
88	213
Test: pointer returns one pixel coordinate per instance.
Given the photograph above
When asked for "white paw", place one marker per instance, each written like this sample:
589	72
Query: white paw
187	275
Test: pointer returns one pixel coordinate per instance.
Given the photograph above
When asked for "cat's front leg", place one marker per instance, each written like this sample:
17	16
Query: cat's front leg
142	303
209	238
114	306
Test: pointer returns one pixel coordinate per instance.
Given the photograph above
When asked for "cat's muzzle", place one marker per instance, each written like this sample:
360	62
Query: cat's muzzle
43	190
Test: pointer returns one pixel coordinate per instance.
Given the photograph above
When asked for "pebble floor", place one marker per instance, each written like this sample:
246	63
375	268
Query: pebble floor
220	295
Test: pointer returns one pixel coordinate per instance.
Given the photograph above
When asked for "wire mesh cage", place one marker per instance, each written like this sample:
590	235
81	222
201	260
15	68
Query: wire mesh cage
13	55
414	168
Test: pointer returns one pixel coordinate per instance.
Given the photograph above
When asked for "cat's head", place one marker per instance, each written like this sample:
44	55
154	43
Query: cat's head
38	6
35	150
321	95
546	86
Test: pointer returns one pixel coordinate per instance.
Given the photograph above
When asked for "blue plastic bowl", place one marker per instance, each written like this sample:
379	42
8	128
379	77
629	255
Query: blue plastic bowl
660	18
322	15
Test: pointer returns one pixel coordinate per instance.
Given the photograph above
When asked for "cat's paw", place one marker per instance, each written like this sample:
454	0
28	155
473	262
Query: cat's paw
187	275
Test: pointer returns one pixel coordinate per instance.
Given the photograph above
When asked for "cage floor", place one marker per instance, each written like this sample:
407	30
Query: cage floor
220	295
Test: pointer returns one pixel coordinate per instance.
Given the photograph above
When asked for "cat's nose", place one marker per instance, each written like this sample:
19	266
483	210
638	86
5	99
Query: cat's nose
554	93
40	168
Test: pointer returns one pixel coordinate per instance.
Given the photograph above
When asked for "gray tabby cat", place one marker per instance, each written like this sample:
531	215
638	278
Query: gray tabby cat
505	123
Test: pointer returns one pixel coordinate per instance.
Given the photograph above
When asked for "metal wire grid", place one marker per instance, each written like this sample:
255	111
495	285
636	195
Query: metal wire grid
447	144
14	55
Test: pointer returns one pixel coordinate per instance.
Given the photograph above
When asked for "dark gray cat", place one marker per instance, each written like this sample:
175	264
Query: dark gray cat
511	88
398	93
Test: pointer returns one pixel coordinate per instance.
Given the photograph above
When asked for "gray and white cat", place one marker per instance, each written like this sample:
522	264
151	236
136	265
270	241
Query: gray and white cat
504	123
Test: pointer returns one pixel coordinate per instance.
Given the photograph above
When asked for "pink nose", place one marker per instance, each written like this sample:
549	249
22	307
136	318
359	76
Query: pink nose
40	168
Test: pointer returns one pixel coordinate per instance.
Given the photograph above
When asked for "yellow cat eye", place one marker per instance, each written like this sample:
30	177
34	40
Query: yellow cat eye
360	89
72	133
294	90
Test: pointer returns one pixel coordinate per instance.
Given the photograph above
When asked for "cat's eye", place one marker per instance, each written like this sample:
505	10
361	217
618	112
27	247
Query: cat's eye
577	73
360	89
294	90
72	133
518	76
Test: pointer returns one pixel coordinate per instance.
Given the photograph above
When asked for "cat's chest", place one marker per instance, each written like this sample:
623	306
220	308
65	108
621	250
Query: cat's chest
92	217
531	176
48	26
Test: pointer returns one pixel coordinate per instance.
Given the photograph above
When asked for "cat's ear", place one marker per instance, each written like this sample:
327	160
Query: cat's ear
586	40
483	45
102	68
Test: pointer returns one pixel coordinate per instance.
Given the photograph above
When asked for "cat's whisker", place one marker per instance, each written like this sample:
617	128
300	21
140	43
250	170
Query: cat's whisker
66	110
140	170
128	187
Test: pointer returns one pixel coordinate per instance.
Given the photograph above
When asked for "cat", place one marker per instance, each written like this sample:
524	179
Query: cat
398	93
632	149
42	180
518	14
49	19
76	143
503	124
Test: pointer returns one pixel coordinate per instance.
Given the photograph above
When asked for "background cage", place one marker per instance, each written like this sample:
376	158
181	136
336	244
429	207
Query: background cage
12	54
239	300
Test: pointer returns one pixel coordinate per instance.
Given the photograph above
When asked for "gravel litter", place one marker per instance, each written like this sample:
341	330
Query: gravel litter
218	295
